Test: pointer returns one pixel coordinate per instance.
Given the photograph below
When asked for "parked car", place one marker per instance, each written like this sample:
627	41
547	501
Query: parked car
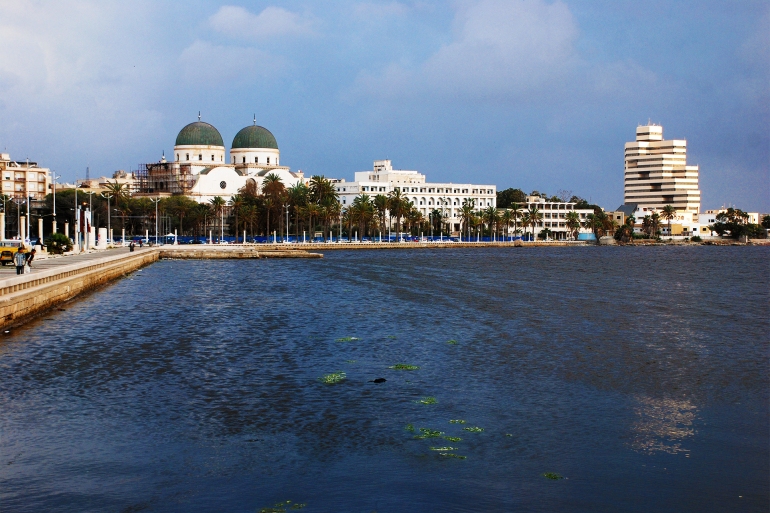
9	248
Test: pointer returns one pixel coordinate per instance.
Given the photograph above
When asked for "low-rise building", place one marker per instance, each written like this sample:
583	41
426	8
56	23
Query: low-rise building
24	178
426	196
555	217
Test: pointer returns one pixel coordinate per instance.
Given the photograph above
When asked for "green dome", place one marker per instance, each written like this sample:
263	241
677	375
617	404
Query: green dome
254	137
199	134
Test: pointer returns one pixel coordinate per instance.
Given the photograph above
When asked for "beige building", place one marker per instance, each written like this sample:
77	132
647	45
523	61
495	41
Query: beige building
100	184
657	174
25	178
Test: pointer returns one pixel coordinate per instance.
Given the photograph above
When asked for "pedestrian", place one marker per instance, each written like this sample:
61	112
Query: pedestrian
30	258
141	243
19	259
131	246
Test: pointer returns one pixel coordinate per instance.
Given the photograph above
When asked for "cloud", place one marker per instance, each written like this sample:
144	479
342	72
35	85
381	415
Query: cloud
377	11
272	21
215	64
499	47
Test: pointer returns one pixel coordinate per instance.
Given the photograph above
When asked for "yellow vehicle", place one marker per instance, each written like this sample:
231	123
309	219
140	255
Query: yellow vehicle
9	248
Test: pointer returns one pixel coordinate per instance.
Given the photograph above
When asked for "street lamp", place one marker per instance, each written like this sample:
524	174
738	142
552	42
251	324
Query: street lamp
109	215
55	177
19	202
286	207
156	201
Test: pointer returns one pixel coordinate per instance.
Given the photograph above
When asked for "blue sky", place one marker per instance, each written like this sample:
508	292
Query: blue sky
518	93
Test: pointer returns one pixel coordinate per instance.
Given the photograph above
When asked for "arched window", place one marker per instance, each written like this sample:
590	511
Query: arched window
212	158
244	160
177	157
268	160
187	156
256	160
200	156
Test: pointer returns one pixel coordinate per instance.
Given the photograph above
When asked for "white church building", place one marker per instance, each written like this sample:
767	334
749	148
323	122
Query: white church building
198	168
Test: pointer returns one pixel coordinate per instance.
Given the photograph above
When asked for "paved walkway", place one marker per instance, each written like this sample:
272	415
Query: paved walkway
7	271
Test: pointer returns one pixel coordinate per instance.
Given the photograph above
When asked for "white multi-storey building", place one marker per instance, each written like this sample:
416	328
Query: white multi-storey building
555	217
24	178
445	197
657	174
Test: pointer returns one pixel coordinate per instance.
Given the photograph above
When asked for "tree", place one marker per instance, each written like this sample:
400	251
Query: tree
669	214
397	207
766	222
507	218
572	221
381	204
492	217
647	225
217	206
466	214
508	197
534	217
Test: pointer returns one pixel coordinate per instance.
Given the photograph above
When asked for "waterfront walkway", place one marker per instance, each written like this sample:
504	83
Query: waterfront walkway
56	261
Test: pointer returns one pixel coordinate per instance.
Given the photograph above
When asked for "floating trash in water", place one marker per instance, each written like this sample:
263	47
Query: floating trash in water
452	455
508	434
452	438
283	507
428	433
347	339
427	400
332	378
474	429
457	421
378	380
404	366
443	449
350	361
410	428
552	475
452	342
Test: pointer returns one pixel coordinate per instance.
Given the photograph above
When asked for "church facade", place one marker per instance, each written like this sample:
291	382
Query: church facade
199	167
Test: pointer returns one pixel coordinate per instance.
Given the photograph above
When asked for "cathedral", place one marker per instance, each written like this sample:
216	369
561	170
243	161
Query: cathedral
198	168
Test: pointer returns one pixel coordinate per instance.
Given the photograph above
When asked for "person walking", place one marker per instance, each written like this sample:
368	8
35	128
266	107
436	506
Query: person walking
20	259
30	257
131	247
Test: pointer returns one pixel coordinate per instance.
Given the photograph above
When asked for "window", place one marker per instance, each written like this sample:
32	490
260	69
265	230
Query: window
177	157
187	156
244	160
256	160
200	156
212	158
268	160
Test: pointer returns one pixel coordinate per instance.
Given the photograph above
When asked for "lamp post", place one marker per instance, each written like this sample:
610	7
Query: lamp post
286	207
109	214
19	202
156	201
55	177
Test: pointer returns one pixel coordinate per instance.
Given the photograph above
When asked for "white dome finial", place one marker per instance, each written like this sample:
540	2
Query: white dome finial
255	120
199	115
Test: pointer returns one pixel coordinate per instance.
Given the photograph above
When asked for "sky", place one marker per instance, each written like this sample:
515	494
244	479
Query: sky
532	94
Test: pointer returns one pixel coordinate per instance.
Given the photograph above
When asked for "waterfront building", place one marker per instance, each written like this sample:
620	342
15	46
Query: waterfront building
555	217
445	197
101	183
24	178
657	174
198	168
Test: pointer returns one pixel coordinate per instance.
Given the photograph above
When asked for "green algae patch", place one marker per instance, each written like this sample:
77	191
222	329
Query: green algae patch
552	475
457	421
474	429
332	378
428	433
410	428
392	336
443	449
283	507
452	455
452	342
347	339
427	400
508	434
350	361
404	366
452	438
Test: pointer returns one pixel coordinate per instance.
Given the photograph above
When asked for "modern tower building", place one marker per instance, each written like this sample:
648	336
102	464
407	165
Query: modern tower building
657	174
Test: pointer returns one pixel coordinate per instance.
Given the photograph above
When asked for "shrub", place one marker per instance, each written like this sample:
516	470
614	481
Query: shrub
58	243
696	238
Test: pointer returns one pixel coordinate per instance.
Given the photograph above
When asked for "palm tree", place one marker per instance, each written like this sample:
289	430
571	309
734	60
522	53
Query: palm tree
507	219
397	208
573	223
647	225
217	205
381	204
492	216
466	214
655	223
534	216
669	213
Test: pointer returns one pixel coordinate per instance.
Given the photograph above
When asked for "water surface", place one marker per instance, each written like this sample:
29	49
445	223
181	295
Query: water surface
638	374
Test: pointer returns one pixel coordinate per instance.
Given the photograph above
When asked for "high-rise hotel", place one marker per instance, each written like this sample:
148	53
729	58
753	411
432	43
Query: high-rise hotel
657	174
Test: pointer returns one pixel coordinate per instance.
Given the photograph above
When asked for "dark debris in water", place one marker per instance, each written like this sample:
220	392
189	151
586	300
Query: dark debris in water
552	475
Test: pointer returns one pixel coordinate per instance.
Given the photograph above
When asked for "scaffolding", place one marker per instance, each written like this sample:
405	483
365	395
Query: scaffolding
164	178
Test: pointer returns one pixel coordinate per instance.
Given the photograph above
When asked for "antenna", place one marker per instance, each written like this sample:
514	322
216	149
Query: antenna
199	115
255	119
88	173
